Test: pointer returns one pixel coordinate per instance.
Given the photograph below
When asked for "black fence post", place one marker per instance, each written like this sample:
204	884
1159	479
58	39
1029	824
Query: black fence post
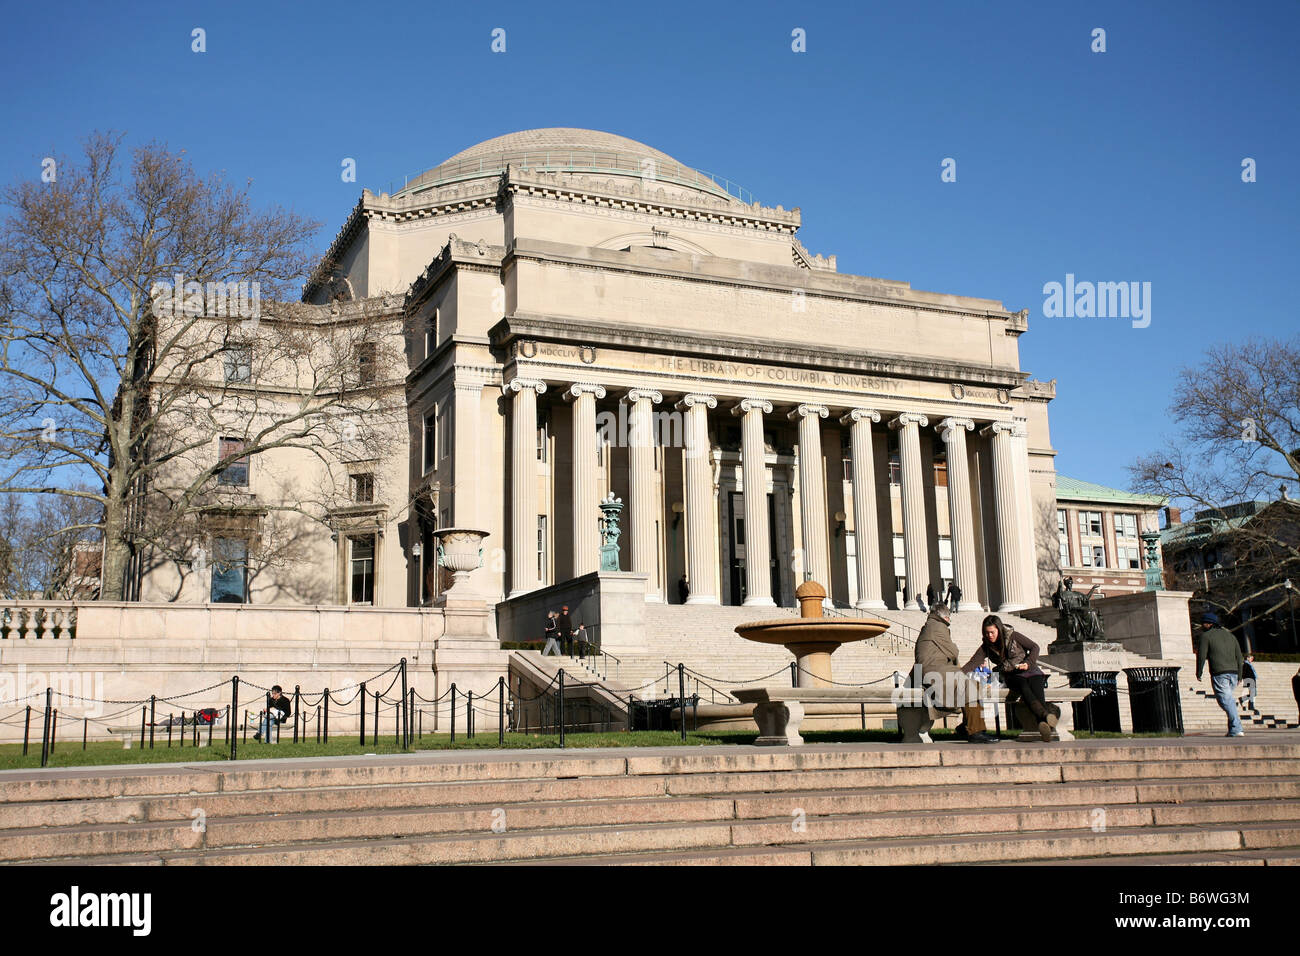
182	730
54	727
232	714
681	696
469	715
326	737
794	673
85	726
27	727
362	697
453	712
406	728
45	729
410	716
561	714
297	711
317	723
421	719
210	723
376	734
171	719
152	705
225	731
501	711
397	722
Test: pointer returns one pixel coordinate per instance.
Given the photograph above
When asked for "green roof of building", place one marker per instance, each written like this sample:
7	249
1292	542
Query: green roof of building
1072	489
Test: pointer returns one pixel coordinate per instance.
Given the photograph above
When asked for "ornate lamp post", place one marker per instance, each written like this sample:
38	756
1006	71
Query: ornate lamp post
1152	541
1290	606
610	509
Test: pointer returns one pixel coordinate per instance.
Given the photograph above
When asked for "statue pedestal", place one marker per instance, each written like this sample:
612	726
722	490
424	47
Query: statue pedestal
1109	657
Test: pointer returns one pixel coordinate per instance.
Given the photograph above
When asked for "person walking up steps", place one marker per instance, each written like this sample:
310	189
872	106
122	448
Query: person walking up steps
1220	649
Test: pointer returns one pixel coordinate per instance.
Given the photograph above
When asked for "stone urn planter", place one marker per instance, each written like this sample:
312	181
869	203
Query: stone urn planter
460	551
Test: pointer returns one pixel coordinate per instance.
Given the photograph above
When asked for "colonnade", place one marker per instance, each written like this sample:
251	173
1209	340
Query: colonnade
1010	486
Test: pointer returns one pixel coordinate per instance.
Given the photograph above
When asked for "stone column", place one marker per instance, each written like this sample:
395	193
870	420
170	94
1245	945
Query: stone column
864	507
1006	503
1028	519
812	493
753	465
586	495
701	530
916	546
642	503
523	483
960	519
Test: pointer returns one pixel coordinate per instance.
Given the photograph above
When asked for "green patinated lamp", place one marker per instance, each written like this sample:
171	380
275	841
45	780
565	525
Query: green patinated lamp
1152	541
610	510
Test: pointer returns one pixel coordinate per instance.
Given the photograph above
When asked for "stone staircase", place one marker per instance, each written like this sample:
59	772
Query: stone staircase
1148	801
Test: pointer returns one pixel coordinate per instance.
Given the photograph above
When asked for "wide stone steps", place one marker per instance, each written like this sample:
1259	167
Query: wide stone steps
825	805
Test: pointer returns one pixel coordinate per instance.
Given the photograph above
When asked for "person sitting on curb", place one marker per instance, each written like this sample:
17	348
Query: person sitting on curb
280	708
1015	658
946	685
1221	650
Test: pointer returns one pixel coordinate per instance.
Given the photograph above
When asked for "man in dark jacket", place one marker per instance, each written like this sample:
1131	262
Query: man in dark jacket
954	596
947	687
1220	649
566	630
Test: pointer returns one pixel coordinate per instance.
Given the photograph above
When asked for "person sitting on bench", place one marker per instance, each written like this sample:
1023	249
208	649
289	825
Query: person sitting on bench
946	685
279	711
1015	658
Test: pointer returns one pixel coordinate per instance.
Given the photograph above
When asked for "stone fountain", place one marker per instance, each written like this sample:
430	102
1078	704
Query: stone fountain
812	638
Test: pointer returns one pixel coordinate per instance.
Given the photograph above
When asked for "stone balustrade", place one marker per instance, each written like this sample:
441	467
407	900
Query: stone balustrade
38	620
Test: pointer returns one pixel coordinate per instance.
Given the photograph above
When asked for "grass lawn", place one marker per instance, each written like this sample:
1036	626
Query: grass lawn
70	754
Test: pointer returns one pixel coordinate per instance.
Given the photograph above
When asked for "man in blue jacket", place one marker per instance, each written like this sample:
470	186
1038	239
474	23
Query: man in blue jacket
1221	650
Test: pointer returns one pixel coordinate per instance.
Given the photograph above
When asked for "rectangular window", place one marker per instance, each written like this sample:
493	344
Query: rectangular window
1129	558
363	568
848	468
541	435
900	565
941	474
363	489
895	472
541	550
235	473
430	440
366	363
1090	523
945	558
444	433
238	362
1065	552
1098	556
1126	526
1060	521
229	571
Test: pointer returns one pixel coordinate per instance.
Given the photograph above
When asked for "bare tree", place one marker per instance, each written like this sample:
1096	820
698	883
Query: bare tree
148	341
1238	414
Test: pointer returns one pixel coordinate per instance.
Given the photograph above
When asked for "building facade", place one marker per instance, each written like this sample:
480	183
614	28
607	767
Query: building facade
1098	533
581	315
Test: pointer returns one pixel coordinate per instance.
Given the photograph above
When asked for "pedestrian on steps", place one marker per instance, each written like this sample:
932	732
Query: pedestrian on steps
1220	649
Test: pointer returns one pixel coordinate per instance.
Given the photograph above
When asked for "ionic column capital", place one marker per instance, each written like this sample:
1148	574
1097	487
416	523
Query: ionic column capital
1011	429
858	415
752	404
519	384
908	418
950	426
692	399
583	388
803	410
642	394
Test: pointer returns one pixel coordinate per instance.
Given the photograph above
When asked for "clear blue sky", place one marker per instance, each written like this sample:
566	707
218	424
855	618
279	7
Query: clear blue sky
1115	166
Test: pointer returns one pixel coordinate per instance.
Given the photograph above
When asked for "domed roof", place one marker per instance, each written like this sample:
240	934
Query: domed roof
569	150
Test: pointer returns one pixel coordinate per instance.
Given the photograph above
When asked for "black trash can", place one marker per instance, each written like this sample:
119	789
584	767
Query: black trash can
1154	701
1099	711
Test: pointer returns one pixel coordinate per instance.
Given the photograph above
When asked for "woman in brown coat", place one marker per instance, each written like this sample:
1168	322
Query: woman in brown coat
1015	658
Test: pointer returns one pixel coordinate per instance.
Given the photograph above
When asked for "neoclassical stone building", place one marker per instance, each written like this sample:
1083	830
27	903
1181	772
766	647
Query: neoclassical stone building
581	315
585	315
